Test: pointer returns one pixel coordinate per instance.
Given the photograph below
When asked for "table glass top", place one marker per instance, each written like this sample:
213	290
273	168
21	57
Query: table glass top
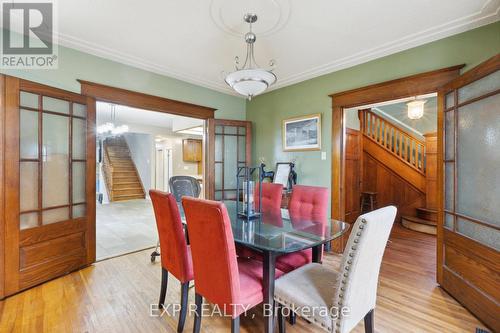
281	231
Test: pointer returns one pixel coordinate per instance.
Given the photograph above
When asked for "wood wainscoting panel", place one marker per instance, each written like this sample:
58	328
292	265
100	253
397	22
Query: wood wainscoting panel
50	250
391	188
52	269
410	175
467	293
481	276
353	163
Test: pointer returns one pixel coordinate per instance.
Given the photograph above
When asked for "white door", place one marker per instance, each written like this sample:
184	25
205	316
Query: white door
163	168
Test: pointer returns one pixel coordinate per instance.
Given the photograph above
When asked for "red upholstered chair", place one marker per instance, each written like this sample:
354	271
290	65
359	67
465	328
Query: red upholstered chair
307	202
271	204
175	253
271	196
233	284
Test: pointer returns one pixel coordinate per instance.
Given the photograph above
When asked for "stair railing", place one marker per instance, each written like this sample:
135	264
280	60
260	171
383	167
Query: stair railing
107	169
402	144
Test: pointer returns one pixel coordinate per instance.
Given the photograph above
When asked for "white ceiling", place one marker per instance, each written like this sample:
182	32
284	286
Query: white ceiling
194	40
125	115
399	112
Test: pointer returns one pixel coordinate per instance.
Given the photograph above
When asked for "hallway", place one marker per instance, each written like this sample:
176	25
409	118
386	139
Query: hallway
124	227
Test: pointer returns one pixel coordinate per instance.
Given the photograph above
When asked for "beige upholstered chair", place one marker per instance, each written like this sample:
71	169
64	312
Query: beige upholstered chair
319	293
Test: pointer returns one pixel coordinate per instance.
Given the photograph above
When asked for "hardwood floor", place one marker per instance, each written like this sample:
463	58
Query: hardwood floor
115	295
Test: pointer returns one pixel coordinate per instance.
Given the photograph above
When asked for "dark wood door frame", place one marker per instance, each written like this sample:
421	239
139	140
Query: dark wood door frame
140	100
414	85
144	101
210	170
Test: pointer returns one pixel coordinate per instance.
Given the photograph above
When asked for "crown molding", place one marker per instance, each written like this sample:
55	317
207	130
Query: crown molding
489	13
114	55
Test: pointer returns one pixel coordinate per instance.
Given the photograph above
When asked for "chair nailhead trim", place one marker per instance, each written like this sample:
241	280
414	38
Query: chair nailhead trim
292	305
347	268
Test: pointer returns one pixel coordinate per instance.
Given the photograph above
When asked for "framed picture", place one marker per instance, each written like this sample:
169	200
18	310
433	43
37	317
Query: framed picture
302	133
282	174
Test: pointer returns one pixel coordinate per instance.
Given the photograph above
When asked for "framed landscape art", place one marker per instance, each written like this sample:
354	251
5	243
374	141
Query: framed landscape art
302	133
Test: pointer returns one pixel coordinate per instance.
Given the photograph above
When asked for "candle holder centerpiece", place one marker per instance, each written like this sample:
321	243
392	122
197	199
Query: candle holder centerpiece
246	180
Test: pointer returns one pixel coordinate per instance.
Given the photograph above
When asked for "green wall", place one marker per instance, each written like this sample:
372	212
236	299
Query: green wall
75	65
267	111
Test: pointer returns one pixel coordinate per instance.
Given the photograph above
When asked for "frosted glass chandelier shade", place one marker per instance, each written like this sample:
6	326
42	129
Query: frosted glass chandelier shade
250	82
416	109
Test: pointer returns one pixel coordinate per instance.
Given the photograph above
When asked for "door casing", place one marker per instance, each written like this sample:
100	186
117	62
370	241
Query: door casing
414	85
90	93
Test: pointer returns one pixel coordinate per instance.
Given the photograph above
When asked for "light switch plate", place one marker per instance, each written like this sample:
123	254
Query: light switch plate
323	155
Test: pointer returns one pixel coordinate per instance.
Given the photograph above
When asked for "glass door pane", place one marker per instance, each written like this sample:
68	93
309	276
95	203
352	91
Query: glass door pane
28	134
472	157
230	152
55	157
478	160
52	151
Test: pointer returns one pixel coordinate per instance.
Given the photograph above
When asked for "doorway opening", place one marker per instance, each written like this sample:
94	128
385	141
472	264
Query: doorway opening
391	159
139	150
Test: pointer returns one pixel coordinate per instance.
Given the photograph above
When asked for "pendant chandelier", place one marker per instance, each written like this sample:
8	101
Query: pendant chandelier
250	80
109	128
416	109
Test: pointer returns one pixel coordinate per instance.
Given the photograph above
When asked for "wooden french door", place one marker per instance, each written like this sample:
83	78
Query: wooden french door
49	188
230	146
469	182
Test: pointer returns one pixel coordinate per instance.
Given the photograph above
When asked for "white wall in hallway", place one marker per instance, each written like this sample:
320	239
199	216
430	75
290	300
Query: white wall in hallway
142	151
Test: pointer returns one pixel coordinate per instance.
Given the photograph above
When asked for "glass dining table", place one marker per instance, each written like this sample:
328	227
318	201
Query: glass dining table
278	233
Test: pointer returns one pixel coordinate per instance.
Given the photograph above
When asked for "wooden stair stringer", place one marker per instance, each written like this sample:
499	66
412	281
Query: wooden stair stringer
122	178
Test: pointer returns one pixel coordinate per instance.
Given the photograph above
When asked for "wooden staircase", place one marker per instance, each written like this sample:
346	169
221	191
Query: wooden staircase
425	221
120	174
411	159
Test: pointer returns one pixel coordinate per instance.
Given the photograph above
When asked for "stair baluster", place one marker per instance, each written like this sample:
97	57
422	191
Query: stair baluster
399	142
